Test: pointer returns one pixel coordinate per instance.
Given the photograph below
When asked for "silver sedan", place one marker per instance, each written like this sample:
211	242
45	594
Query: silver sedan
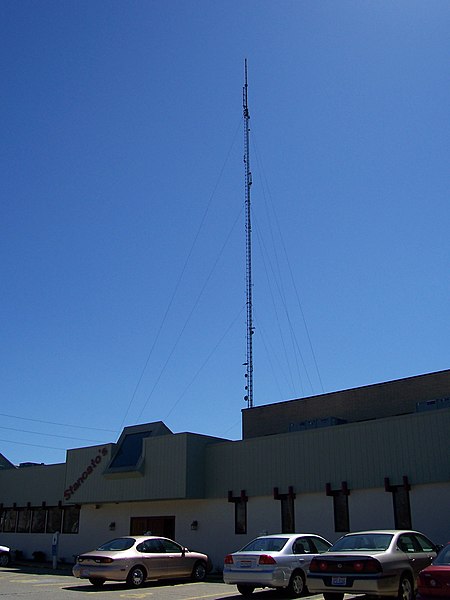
378	563
135	559
274	561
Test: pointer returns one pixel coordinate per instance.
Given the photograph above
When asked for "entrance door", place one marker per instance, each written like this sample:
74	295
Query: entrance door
161	526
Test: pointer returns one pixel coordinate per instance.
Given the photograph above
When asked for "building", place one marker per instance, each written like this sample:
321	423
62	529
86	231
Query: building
370	457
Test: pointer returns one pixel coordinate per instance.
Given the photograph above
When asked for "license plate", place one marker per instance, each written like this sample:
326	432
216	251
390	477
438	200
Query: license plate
339	581
85	573
246	564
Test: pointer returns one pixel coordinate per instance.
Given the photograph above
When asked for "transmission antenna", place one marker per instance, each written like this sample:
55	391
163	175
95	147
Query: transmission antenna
248	248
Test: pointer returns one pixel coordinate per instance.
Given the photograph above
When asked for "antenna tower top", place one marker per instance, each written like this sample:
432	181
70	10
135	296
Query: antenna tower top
248	248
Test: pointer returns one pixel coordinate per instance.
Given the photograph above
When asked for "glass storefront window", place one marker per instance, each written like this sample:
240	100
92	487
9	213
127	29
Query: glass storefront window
24	520
71	519
54	518
38	520
9	520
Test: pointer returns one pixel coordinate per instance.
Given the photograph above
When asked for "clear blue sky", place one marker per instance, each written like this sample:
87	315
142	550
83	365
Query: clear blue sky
122	232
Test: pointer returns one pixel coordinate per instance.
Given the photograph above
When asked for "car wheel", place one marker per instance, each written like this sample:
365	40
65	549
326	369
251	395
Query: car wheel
4	560
333	596
199	571
296	587
405	590
96	582
245	590
136	577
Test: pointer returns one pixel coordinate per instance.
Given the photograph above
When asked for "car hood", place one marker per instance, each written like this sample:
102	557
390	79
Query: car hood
437	569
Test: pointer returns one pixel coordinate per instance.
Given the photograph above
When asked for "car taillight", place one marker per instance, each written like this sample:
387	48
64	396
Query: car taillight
265	559
228	559
318	565
103	559
372	566
427	580
357	566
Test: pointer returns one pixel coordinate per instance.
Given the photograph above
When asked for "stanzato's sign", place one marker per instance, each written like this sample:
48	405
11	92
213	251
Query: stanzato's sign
95	461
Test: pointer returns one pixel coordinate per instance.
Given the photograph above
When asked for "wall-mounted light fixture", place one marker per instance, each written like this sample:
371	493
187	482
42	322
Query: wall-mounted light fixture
194	525
112	526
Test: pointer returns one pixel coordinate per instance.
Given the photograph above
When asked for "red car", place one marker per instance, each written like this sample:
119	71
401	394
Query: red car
434	581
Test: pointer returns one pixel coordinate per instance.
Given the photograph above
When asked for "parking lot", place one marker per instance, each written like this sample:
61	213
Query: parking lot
35	584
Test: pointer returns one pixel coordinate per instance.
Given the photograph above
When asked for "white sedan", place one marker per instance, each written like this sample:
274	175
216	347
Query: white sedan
274	561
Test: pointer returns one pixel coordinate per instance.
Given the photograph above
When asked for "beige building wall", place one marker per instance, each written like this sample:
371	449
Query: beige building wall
357	404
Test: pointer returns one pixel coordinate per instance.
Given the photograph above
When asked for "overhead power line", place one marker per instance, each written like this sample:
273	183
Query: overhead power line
67	437
34	445
59	424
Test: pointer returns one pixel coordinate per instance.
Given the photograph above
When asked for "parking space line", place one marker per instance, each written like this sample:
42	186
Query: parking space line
136	595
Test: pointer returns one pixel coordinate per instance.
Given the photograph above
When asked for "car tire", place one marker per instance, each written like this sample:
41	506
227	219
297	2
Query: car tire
96	581
4	559
405	590
245	590
136	577
296	587
333	596
199	571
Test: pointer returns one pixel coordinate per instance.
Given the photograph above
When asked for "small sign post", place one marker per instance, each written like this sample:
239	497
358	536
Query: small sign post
55	542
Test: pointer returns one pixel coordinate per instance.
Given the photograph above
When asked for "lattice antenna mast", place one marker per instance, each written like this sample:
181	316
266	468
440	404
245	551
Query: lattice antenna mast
248	246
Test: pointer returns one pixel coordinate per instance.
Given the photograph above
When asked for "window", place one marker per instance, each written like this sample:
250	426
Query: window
130	450
265	544
38	519
71	518
424	543
287	515
240	512
341	514
301	546
118	544
340	507
54	518
400	500
150	547
406	543
443	557
402	511
319	544
9	520
240	517
171	547
287	509
24	520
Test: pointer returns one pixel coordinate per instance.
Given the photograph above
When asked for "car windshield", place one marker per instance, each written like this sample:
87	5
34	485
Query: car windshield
443	558
118	544
364	542
265	544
